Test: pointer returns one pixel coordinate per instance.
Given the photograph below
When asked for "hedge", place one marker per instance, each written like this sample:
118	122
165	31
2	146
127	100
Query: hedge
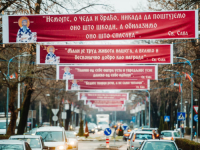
4	137
185	144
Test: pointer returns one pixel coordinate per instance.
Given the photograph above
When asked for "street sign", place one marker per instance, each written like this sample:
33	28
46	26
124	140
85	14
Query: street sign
64	115
107	131
133	119
55	118
181	116
167	118
55	111
196	118
125	127
196	109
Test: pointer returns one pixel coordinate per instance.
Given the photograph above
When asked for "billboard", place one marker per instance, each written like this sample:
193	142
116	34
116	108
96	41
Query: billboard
107	84
105	102
175	24
104	54
102	96
66	72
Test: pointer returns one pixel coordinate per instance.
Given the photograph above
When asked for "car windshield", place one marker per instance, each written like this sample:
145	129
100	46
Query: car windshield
70	135
103	123
51	136
166	134
154	145
176	134
147	130
33	142
11	147
143	136
2	125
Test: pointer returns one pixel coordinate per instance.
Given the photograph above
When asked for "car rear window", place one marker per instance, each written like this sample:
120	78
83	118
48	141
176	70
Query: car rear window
11	147
33	142
166	134
176	134
159	145
143	136
51	136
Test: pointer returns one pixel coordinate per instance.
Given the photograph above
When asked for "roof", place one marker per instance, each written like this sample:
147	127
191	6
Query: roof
156	140
52	128
11	142
149	128
169	131
148	132
25	136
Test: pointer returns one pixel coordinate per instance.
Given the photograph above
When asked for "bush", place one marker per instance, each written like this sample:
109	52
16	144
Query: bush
187	131
4	137
165	126
185	144
121	131
161	125
86	130
81	132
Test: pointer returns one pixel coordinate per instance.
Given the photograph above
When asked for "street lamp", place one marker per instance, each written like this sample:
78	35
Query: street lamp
25	54
188	62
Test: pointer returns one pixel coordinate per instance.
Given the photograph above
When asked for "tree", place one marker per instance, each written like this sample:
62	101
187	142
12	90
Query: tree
121	131
161	125
86	130
81	132
165	126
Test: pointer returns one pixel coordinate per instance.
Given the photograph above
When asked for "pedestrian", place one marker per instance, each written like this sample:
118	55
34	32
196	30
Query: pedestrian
182	130
193	132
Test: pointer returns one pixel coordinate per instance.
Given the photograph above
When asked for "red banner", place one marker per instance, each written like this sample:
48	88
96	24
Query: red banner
104	26
108	105
105	102
102	96
107	72
112	108
107	84
95	54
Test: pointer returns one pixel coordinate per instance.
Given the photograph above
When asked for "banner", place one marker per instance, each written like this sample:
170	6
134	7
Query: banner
102	96
104	26
107	72
109	105
107	84
112	108
104	54
105	102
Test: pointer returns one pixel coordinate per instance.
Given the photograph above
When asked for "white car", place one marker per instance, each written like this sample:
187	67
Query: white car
139	137
170	135
103	125
72	140
129	139
35	141
53	137
3	126
14	145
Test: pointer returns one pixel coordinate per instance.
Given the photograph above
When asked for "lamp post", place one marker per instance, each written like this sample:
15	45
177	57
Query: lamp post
188	62
23	55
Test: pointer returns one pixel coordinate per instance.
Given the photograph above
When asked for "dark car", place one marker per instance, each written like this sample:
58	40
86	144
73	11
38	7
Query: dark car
92	127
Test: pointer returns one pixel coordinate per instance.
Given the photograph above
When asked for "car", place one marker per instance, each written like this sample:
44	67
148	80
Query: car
150	129
159	145
31	132
14	145
170	135
45	124
103	125
139	137
92	127
3	126
72	140
53	137
129	139
35	141
126	134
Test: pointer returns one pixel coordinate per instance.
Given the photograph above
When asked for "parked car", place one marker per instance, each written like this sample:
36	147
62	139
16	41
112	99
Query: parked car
31	132
35	141
14	145
139	137
159	145
129	139
53	137
169	135
103	125
72	140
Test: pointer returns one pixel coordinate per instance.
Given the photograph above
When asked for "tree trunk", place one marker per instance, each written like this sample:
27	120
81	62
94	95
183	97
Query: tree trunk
24	111
199	114
14	113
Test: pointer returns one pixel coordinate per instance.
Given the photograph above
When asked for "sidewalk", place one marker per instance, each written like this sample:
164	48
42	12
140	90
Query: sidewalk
195	140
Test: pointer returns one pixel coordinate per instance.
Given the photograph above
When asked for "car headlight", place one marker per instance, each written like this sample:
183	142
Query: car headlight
60	147
71	143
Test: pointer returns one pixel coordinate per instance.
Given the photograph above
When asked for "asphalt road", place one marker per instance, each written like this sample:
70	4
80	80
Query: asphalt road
92	145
